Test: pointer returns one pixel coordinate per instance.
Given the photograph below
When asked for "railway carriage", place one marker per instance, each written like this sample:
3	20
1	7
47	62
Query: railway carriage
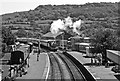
74	40
80	43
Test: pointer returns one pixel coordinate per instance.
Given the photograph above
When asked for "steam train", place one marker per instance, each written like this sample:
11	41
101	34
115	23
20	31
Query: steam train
73	43
76	43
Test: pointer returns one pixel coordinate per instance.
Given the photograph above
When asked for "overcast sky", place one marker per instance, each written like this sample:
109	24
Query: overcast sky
10	6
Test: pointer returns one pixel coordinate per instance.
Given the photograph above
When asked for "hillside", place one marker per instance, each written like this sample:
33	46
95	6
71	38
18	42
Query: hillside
94	15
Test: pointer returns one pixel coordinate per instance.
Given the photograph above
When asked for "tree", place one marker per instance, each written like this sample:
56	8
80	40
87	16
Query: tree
7	36
21	33
104	39
37	34
29	34
118	32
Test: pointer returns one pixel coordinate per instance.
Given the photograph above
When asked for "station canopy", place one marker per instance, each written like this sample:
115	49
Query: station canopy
58	36
76	37
51	35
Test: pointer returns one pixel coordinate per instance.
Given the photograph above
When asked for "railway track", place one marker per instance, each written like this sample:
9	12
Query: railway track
55	70
63	68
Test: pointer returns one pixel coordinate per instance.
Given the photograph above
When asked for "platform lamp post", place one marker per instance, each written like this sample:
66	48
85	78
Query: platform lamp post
38	48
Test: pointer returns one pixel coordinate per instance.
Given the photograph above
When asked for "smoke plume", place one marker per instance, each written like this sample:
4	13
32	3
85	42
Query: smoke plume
56	26
59	24
68	22
77	26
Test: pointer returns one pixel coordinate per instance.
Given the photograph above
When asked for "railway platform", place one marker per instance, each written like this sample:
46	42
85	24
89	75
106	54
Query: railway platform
100	73
38	70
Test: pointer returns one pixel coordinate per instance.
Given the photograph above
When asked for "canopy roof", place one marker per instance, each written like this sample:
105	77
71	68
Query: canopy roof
84	44
51	35
76	37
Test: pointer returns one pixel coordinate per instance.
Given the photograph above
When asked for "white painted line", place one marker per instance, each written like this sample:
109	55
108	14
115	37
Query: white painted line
0	77
47	68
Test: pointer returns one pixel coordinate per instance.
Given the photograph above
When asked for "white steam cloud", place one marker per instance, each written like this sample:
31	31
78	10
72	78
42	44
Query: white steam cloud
68	22
56	26
63	24
76	26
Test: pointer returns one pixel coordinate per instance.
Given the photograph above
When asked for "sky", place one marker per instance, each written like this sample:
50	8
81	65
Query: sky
10	6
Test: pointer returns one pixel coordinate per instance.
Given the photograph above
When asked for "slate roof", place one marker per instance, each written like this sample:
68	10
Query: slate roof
51	35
